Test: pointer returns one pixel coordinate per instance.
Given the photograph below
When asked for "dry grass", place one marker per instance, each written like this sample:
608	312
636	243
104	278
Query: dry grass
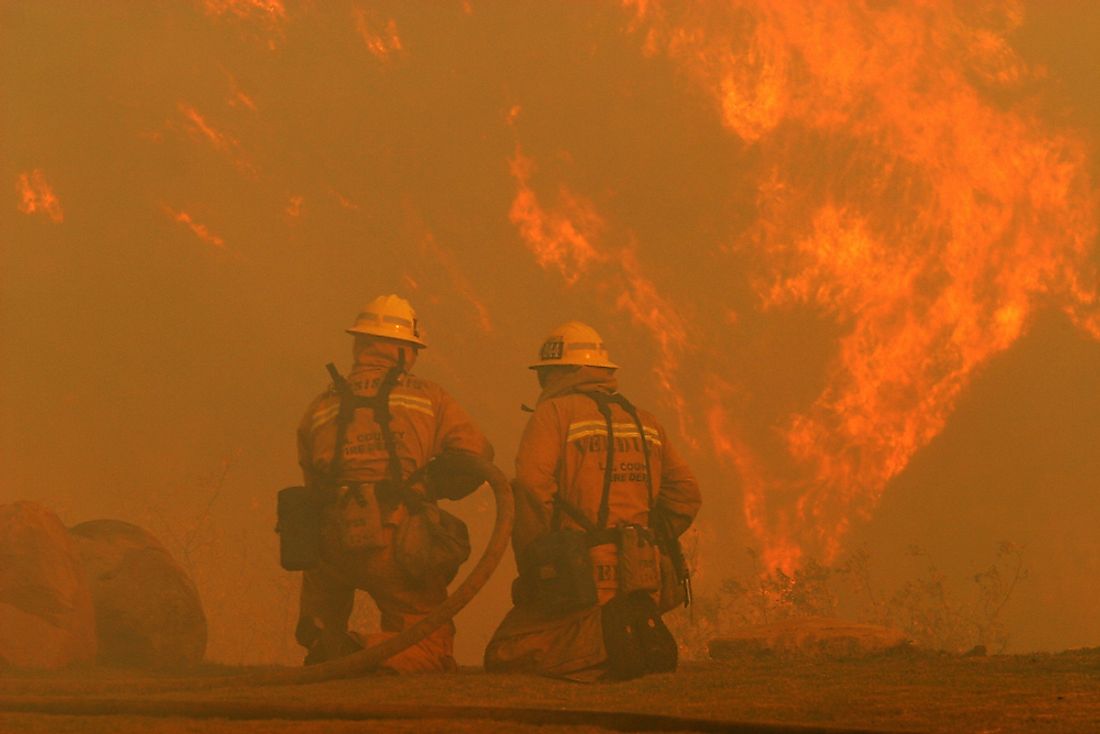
921	692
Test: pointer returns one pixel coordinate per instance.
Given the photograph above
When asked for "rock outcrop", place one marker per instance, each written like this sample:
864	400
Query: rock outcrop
148	612
47	620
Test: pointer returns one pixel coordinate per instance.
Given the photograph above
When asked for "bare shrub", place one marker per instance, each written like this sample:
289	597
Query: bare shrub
928	608
249	601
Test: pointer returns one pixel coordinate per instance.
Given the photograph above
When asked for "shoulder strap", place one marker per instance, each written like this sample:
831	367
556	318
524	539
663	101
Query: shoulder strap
574	513
343	420
603	404
633	413
383	417
379	405
561	505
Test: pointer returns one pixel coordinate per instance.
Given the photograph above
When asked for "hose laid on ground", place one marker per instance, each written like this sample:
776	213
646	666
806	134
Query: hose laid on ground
370	658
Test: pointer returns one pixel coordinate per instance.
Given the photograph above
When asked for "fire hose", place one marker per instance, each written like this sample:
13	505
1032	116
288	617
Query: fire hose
373	656
369	659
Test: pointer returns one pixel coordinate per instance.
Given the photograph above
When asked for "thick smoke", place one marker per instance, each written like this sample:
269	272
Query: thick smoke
847	254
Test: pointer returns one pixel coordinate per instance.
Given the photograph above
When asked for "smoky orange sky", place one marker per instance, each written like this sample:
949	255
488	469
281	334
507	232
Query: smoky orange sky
846	250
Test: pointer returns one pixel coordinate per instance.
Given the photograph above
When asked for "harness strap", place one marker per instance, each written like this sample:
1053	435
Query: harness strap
379	405
575	514
384	417
593	536
343	419
608	470
603	403
633	413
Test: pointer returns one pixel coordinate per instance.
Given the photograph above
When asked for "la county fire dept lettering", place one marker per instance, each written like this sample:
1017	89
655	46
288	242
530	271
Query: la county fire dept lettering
370	443
591	437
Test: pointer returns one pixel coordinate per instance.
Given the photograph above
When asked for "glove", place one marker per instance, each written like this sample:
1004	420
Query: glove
450	477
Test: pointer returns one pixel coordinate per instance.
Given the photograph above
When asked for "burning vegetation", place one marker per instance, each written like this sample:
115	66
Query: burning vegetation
815	226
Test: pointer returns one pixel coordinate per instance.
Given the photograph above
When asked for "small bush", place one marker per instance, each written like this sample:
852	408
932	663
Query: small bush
926	608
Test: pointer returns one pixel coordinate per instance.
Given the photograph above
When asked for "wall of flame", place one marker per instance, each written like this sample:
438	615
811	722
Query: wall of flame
816	234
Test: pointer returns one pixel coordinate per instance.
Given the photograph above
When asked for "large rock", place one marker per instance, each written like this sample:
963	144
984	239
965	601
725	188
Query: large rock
148	612
46	616
811	636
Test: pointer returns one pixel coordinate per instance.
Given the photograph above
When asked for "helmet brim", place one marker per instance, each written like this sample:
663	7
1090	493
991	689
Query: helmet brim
572	363
415	341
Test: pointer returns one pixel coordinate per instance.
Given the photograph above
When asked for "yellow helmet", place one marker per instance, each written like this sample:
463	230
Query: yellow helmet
391	317
573	343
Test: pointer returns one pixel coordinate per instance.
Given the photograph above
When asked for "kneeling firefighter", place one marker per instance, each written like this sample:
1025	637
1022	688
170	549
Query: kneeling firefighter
601	500
374	451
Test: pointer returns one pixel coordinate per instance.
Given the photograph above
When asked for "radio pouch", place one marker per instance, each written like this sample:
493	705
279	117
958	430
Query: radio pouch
636	638
639	560
359	519
431	542
299	528
555	573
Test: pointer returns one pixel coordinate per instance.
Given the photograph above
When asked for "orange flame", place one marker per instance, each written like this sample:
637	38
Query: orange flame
37	197
294	206
238	98
269	15
566	238
459	282
435	254
344	201
222	142
384	42
270	10
562	239
199	230
926	220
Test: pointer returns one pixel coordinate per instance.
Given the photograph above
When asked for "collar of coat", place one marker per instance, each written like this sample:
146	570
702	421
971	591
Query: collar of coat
586	379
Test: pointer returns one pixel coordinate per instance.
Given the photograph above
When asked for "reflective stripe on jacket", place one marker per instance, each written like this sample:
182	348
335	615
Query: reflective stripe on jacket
426	420
564	450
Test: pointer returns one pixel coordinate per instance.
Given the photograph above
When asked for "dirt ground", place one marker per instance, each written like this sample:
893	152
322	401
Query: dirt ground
901	692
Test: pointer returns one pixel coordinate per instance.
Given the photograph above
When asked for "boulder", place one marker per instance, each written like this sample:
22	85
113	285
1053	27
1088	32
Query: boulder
47	620
811	637
148	613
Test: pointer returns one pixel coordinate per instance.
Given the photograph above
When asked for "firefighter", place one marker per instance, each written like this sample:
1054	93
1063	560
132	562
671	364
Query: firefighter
363	446
601	500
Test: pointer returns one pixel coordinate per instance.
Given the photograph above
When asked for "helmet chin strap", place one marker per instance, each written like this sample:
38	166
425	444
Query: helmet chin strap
367	347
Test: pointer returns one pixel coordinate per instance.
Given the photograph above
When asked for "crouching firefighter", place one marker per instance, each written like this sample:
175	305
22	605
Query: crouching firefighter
374	452
601	500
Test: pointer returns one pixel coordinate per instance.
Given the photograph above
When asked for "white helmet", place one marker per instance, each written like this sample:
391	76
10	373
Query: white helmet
573	343
391	317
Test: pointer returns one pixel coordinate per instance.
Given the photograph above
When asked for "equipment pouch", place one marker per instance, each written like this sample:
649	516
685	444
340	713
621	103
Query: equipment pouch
636	638
299	528
673	594
639	560
431	542
555	573
358	517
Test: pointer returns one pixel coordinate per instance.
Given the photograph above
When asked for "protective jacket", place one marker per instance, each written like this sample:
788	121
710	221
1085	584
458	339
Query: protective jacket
564	449
563	454
426	421
407	560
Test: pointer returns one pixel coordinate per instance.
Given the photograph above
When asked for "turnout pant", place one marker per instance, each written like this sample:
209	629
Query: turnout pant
328	594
